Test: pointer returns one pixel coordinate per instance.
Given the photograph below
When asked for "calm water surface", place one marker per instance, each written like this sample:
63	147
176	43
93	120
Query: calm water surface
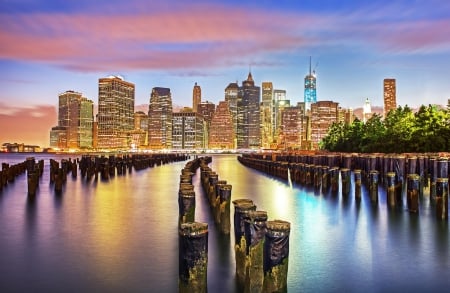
121	235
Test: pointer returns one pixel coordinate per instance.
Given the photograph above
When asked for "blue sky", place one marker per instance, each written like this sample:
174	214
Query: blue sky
48	47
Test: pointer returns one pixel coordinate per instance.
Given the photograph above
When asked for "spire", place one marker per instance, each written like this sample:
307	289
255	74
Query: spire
309	65
250	77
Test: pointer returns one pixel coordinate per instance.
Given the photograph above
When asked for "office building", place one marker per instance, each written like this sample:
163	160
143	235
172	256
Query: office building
323	115
231	97
160	119
390	96
266	115
221	133
279	103
187	131
196	97
115	112
248	115
310	87
292	132
75	122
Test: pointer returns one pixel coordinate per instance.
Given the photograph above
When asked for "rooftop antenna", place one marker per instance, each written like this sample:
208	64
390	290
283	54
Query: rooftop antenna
309	65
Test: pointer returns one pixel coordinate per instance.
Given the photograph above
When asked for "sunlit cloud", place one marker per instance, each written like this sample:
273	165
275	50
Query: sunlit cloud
28	124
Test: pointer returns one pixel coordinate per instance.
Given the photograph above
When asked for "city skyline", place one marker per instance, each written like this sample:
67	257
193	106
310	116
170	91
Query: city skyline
49	48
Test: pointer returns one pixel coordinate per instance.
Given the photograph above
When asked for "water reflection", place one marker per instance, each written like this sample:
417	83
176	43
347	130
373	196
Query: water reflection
121	235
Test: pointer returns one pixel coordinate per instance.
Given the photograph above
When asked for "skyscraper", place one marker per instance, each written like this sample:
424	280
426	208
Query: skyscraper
248	115
310	88
323	115
160	119
221	134
75	120
390	97
279	103
115	112
266	115
187	131
367	111
231	97
196	97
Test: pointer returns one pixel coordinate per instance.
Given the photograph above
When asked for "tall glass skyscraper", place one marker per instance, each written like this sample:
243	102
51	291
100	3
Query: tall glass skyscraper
160	119
248	115
310	88
115	112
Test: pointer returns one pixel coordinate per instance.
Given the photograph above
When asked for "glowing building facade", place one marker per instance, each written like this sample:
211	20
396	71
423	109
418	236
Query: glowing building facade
196	97
115	112
187	131
310	88
221	134
160	119
266	115
390	96
248	115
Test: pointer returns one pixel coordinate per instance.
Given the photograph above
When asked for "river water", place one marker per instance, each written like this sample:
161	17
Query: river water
121	235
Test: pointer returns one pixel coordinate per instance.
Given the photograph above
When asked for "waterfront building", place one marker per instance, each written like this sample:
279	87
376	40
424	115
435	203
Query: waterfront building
75	122
248	115
310	87
140	133
196	97
323	115
160	119
115	112
293	129
280	102
266	115
390	96
221	133
231	97
187	131
207	110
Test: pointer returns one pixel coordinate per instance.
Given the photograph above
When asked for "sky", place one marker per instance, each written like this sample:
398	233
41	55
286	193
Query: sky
49	46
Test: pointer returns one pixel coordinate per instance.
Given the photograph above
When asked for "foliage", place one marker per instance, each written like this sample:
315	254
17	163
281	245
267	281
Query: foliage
427	130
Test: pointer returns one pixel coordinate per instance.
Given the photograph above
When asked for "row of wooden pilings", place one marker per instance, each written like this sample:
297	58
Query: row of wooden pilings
261	246
34	170
393	172
91	166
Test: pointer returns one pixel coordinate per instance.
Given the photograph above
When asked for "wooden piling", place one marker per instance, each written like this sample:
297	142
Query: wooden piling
391	196
373	185
193	257
412	193
442	198
358	183
346	181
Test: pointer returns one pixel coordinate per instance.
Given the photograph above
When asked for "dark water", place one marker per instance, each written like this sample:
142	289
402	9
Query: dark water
121	236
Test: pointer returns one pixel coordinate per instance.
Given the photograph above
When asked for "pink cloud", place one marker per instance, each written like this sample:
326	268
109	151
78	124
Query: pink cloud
28	124
200	36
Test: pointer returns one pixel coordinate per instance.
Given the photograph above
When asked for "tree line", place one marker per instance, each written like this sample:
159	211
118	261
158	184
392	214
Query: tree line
401	131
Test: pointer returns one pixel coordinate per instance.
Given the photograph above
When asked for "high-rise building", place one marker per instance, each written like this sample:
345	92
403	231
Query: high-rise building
115	112
187	131
266	115
323	115
160	119
310	87
75	120
221	133
292	129
279	103
140	133
196	97
231	97
390	96
248	115
206	109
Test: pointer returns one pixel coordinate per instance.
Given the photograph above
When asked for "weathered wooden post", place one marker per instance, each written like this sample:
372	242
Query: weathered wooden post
412	194
346	181
325	179
334	179
193	257
442	168
59	180
224	208
317	176
255	231
241	208
276	256
433	176
373	185
186	204
358	183
442	198
391	194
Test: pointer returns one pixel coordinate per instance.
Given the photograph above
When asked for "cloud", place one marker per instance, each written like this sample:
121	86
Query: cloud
189	37
28	124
